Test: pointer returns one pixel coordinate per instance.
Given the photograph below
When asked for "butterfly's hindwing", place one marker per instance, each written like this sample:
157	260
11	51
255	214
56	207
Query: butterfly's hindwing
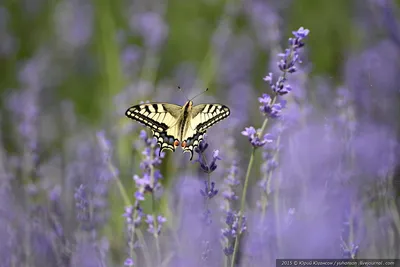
164	140
192	143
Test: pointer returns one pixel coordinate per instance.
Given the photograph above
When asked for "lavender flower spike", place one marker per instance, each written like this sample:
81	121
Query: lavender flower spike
230	232
254	139
150	221
269	109
129	262
209	192
300	34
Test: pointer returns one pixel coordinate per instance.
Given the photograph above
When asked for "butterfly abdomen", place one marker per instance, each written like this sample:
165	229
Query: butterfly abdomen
184	122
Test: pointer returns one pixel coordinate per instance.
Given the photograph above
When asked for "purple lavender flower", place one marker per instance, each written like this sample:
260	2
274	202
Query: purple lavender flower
237	56
128	214
133	219
279	87
215	157
209	192
203	164
201	148
300	34
149	182
231	230
32	78
265	19
90	174
87	254
230	182
151	26
142	185
129	262
350	225
82	204
346	110
151	225
269	109
270	162
254	139
194	227
287	62
74	23
130	58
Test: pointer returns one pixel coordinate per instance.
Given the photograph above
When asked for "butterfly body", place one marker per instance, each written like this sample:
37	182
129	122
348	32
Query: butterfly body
173	125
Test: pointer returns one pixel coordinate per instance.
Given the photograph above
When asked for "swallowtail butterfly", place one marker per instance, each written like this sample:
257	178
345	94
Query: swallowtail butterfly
173	125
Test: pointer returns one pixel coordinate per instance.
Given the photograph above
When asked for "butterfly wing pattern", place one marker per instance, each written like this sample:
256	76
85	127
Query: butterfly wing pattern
174	125
203	117
159	117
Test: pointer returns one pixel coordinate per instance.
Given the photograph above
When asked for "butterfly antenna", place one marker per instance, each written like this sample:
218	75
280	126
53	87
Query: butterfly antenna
199	94
180	89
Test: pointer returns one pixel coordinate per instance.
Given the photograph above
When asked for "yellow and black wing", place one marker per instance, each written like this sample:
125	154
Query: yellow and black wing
161	118
203	117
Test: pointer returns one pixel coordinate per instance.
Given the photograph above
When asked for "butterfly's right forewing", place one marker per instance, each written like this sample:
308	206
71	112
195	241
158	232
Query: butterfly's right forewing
206	115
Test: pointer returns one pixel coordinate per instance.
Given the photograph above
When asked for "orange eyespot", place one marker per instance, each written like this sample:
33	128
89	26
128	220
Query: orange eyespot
176	143
184	144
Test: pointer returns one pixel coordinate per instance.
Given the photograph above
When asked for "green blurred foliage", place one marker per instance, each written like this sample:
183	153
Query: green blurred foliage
331	25
191	25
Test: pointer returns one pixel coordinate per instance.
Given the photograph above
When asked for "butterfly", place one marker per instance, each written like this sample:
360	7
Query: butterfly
173	125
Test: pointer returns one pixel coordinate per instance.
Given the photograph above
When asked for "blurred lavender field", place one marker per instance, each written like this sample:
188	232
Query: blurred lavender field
306	166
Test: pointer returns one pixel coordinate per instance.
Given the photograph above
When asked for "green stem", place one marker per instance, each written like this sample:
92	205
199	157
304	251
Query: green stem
242	204
128	203
114	172
145	249
156	229
268	189
153	208
276	197
246	182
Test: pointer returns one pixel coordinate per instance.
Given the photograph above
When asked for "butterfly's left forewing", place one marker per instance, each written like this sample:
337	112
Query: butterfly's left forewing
161	118
203	117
